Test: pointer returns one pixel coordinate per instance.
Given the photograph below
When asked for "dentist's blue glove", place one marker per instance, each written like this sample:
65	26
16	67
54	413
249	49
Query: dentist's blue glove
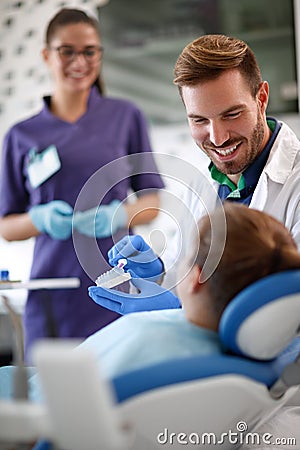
101	221
140	257
53	218
151	297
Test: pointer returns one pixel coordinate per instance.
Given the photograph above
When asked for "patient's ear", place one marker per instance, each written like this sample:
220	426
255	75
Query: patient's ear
194	280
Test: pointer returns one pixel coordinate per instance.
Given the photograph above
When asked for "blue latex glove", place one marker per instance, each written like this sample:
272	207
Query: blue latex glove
151	297
43	445
53	218
101	221
140	257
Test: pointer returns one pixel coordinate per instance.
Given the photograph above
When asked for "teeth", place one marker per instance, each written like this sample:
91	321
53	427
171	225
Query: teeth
226	152
76	75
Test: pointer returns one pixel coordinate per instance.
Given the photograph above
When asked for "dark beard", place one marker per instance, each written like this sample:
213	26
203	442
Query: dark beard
255	143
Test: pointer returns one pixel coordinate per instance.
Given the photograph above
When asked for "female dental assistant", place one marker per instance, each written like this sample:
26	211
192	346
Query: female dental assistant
46	161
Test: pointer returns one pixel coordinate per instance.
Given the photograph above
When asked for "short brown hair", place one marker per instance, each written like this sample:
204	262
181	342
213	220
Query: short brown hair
256	245
207	57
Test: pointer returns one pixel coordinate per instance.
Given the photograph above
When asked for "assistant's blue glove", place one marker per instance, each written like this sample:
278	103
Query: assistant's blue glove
53	218
141	259
102	221
151	297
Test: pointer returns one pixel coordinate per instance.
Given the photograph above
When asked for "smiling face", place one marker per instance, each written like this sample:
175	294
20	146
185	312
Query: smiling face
79	74
226	122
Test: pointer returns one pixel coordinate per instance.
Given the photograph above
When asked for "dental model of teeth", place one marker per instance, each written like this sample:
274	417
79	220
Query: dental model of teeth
115	276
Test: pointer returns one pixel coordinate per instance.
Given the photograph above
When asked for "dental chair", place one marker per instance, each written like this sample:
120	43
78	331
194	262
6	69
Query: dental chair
207	401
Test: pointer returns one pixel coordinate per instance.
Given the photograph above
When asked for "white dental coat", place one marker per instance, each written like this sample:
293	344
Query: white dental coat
277	193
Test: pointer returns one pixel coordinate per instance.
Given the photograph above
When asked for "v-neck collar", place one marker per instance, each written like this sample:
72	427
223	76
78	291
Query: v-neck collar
93	98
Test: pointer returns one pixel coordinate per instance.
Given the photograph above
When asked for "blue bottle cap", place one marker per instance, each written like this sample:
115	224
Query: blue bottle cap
4	275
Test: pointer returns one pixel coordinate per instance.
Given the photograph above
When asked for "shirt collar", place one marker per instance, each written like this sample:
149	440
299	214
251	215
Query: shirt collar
93	99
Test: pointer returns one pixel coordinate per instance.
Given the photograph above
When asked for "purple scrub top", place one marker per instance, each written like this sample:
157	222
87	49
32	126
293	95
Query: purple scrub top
110	129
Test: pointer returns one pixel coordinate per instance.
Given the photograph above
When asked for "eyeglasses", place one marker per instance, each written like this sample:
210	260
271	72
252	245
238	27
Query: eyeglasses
67	54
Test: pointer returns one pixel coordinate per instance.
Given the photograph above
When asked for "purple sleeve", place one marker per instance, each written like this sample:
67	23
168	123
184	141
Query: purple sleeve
13	194
146	173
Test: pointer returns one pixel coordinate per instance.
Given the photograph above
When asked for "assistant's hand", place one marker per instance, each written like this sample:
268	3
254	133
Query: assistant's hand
102	221
151	297
140	257
53	218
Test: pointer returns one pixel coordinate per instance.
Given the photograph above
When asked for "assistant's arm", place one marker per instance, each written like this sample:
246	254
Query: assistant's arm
15	223
19	219
145	173
143	210
17	227
53	218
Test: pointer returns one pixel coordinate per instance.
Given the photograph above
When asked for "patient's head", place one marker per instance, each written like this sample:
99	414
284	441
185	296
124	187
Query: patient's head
255	245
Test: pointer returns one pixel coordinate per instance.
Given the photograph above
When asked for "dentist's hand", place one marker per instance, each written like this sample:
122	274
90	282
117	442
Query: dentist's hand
53	218
102	221
151	297
140	257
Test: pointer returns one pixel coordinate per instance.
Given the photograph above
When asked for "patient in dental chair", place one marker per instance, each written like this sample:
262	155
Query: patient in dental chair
221	263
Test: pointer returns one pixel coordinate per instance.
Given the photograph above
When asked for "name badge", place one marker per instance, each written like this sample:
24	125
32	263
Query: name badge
41	166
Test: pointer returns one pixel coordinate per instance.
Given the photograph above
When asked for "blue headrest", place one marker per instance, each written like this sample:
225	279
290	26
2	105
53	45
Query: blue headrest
263	318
